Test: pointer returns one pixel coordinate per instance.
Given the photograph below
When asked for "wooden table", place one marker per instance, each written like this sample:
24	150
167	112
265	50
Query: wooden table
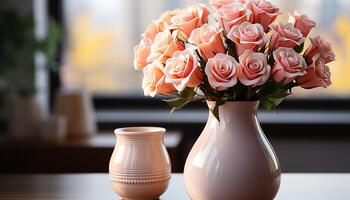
97	187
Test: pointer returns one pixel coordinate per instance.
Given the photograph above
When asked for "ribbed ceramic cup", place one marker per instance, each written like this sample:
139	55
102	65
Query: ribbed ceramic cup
140	166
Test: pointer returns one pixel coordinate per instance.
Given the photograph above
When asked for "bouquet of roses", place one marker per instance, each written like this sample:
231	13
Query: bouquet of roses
239	53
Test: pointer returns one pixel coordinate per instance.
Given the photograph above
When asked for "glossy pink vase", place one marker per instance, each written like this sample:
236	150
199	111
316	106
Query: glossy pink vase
232	159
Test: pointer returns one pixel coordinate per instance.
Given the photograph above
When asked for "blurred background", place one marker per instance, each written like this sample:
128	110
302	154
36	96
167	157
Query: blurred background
67	81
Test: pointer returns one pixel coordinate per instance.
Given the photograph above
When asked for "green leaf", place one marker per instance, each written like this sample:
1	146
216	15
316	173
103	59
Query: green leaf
176	102
281	94
299	48
231	48
182	99
270	103
188	93
215	111
270	60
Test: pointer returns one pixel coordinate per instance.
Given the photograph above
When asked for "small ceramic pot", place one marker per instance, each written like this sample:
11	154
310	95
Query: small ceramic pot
140	166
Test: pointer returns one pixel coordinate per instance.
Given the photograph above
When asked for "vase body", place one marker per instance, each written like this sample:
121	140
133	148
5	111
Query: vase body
232	159
140	165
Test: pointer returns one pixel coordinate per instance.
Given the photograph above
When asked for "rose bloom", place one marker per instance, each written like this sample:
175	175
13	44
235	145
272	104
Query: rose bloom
221	71
248	36
303	23
154	80
253	69
217	4
160	24
264	12
317	75
152	30
285	35
141	53
164	20
182	70
319	47
288	65
190	18
232	14
208	40
164	45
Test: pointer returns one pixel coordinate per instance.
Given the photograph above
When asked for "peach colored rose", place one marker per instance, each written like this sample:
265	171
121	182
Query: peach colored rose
154	80
221	71
303	23
248	36
318	75
164	20
141	53
182	70
208	41
253	69
264	12
190	18
319	47
160	24
217	4
288	65
163	47
285	35
152	30
232	14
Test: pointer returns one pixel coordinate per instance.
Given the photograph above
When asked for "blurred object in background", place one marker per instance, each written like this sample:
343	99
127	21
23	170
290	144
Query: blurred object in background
54	129
20	48
26	118
77	107
101	35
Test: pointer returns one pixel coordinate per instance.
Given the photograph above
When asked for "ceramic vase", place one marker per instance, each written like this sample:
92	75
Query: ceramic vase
232	159
140	168
76	106
25	119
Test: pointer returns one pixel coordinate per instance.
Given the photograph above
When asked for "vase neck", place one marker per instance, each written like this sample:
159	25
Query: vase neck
238	111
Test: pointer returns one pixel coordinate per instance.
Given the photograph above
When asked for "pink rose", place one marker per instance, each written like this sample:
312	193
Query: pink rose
232	14
182	70
141	53
208	40
164	46
160	24
190	18
154	80
248	36
319	47
264	12
318	75
303	23
285	35
164	20
221	71
288	65
217	4
152	30
253	68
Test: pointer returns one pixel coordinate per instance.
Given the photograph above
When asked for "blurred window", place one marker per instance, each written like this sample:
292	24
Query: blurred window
102	34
